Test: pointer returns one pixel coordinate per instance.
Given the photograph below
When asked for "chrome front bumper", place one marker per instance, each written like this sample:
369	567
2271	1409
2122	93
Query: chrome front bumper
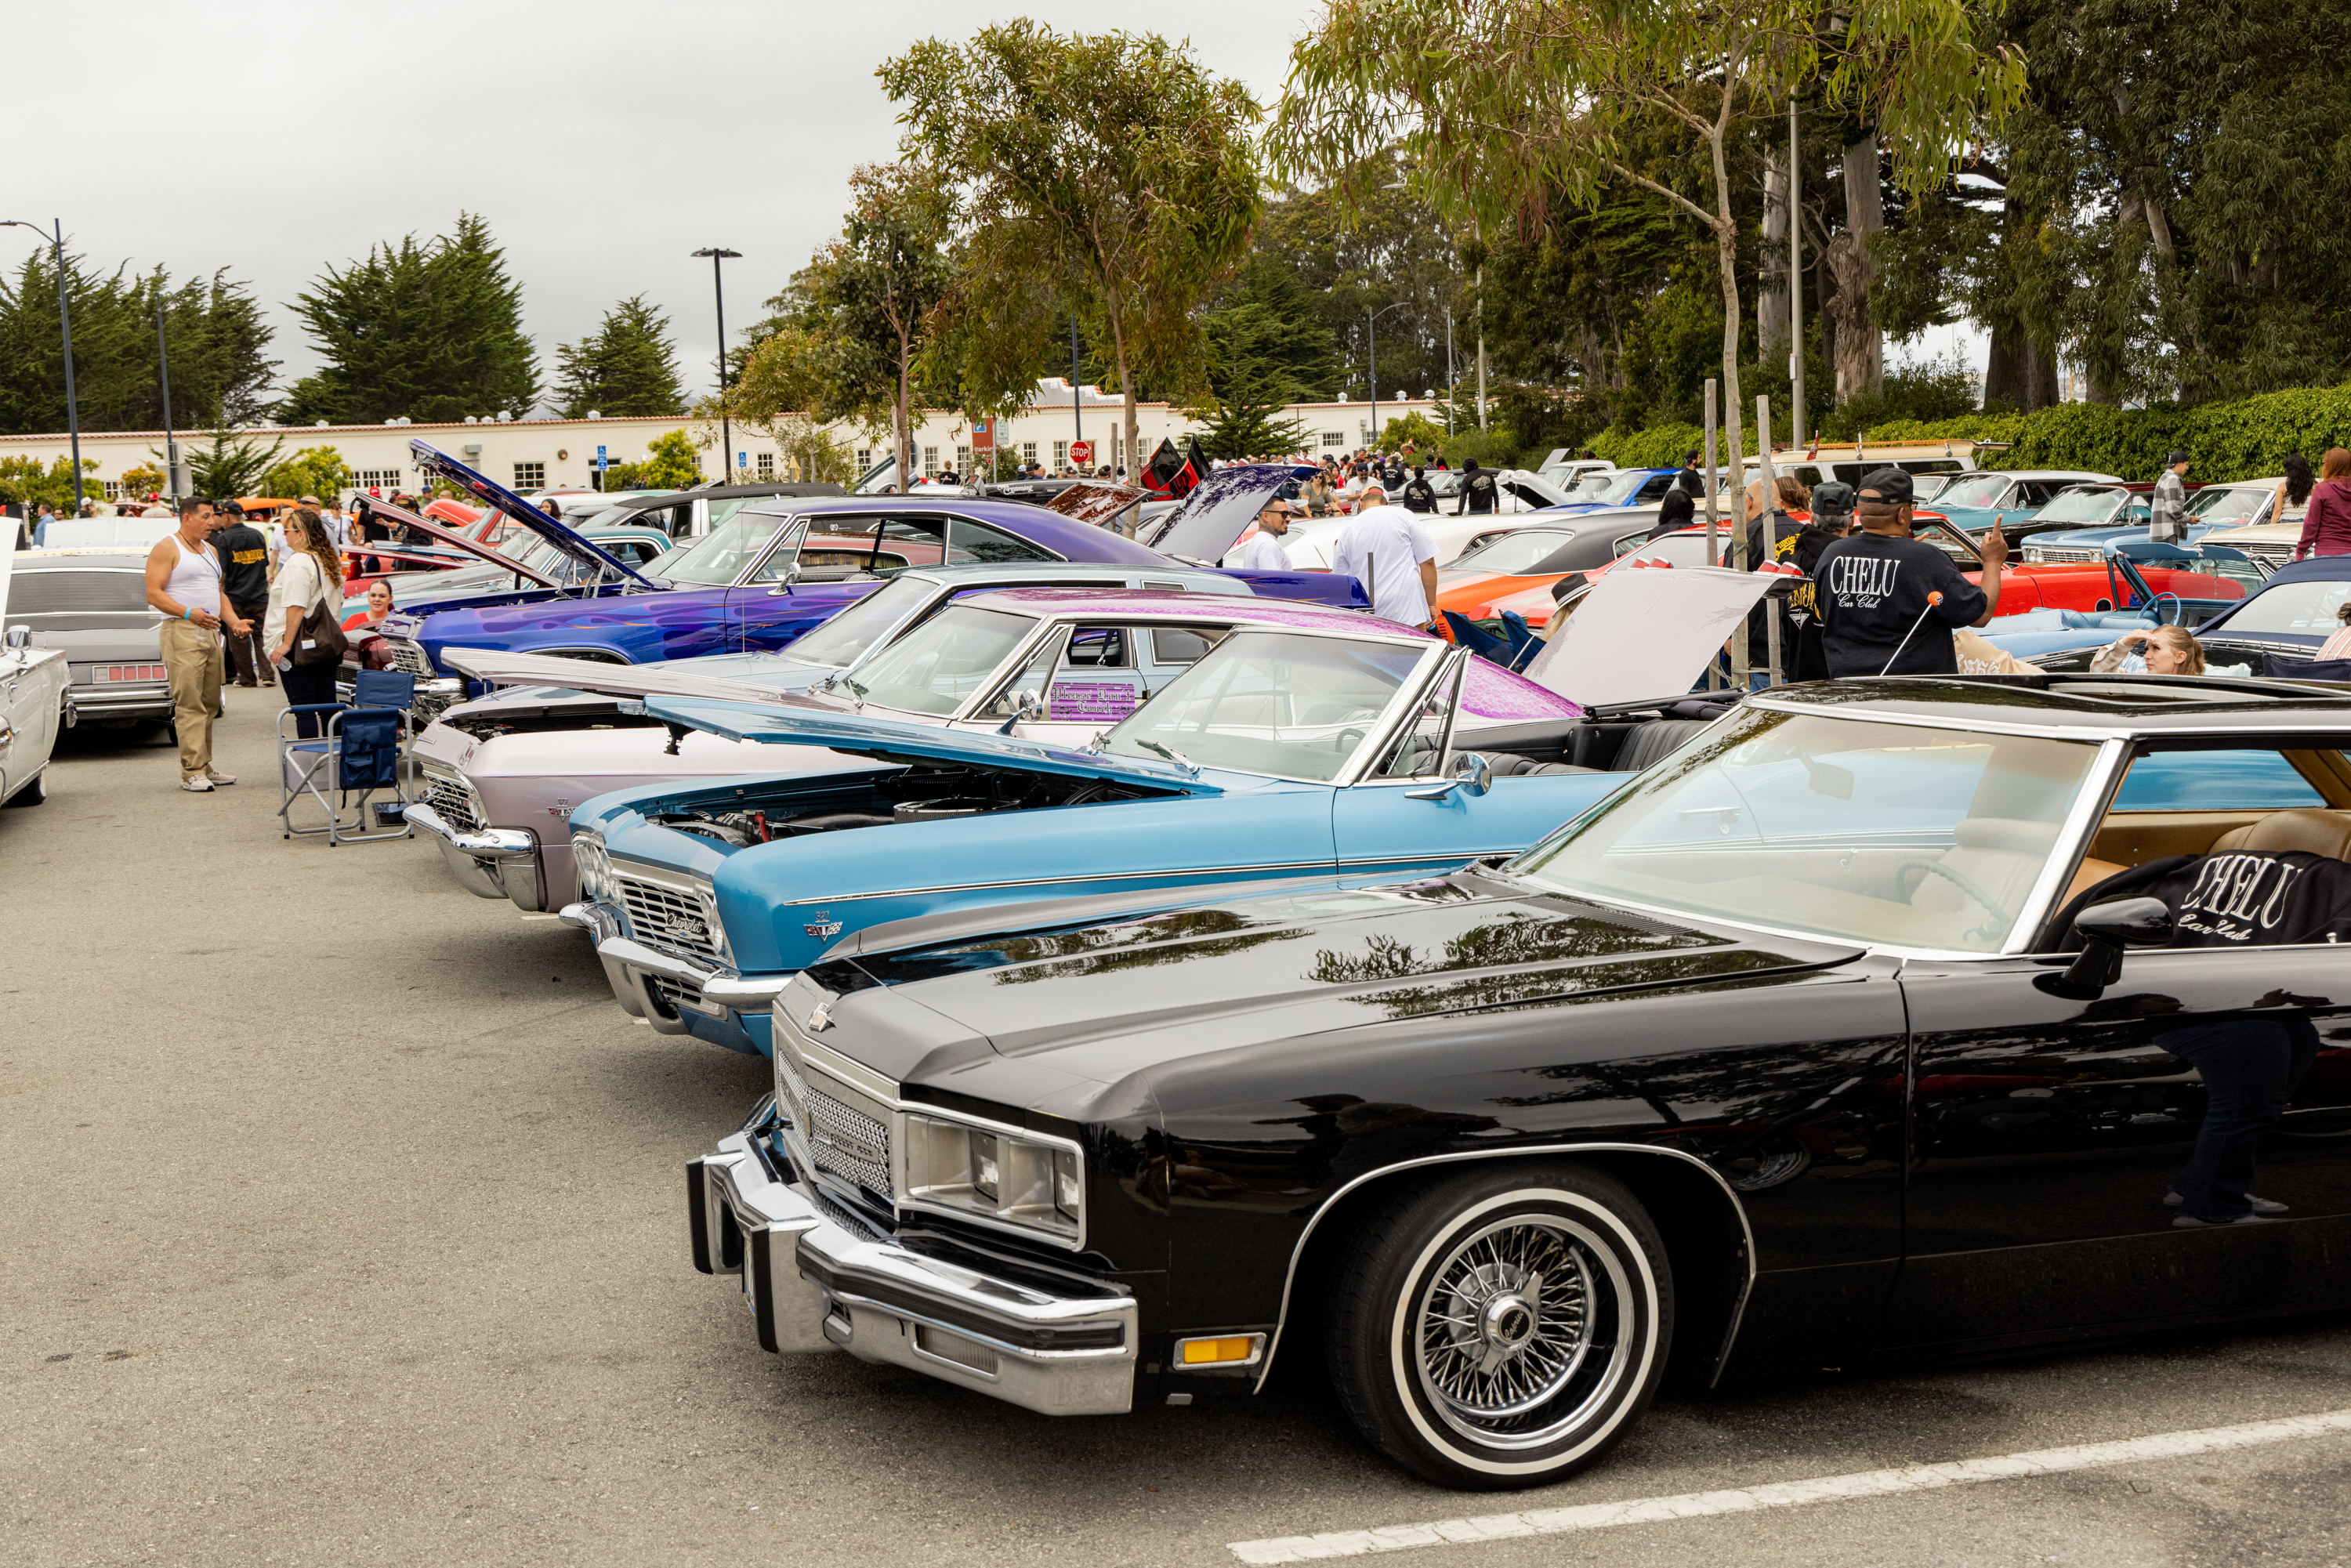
631	968
813	1281
496	863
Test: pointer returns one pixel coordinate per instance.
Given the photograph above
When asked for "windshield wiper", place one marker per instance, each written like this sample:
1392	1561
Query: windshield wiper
1171	755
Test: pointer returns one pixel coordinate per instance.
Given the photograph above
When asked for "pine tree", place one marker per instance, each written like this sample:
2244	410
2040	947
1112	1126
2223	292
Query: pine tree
626	367
218	340
431	330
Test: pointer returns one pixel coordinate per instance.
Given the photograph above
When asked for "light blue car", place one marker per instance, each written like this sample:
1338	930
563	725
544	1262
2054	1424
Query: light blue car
1133	746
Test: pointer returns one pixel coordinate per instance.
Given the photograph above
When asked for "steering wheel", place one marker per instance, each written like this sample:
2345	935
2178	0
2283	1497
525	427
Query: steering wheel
1984	900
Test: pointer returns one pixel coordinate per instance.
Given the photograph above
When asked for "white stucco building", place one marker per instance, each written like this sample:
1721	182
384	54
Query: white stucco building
560	453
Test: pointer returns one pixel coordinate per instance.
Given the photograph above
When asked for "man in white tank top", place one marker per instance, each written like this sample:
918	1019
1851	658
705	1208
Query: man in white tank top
183	581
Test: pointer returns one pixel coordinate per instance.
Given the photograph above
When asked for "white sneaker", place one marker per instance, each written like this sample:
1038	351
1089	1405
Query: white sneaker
2260	1204
217	776
2189	1222
198	783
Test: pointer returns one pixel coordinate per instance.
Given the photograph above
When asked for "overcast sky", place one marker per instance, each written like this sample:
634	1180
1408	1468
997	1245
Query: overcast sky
603	141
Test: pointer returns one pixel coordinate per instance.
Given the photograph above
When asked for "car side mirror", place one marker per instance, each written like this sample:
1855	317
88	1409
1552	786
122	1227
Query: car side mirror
2107	929
1472	775
19	637
1026	705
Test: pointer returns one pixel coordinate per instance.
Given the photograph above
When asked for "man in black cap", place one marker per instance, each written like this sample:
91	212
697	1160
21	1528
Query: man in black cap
1888	603
244	581
1690	479
2167	512
1419	494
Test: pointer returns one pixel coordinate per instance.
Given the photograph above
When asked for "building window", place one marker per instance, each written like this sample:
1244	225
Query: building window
963	460
530	476
930	462
1028	452
1060	454
864	458
767	467
114	489
384	479
1334	438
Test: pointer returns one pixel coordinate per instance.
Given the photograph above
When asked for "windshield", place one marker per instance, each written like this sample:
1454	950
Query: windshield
844	639
2084	505
1984	490
721	555
936	668
2304	609
2217	505
1270	703
1514	552
1614	488
1679	549
1863	831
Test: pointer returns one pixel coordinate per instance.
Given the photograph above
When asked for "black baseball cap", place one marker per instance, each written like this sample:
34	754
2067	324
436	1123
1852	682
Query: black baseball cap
1892	485
1830	496
2175	460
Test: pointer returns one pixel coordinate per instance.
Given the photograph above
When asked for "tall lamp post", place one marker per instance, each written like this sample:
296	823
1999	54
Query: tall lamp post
1371	350
726	428
56	239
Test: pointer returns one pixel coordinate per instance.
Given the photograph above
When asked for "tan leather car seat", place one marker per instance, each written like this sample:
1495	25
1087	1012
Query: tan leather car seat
2002	855
2303	827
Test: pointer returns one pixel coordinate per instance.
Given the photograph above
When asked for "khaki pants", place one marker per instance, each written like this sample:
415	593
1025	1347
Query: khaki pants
191	658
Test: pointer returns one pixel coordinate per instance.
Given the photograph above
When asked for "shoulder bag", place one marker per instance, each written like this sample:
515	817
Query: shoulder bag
319	640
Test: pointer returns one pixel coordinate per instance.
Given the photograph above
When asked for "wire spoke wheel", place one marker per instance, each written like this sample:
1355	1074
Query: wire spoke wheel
1506	1325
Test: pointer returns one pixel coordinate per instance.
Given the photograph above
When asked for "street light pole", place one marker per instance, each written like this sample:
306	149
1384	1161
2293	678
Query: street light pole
65	320
1371	350
171	448
726	427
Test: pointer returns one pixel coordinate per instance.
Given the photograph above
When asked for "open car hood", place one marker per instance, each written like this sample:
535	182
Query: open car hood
447	536
781	720
441	466
1205	523
1644	632
1096	502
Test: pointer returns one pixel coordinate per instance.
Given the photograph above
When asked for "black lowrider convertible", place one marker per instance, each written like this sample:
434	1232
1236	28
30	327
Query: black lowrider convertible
1785	1055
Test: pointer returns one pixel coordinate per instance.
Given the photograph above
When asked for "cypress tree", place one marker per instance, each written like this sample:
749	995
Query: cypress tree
626	367
431	330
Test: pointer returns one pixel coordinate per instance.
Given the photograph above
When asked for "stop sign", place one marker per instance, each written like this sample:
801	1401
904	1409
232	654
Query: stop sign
1081	450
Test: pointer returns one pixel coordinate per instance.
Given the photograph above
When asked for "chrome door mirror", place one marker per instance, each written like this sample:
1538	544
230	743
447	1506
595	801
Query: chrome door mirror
19	637
791	576
1026	705
1471	774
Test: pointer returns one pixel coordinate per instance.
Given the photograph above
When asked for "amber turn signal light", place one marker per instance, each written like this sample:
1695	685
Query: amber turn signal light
1231	1350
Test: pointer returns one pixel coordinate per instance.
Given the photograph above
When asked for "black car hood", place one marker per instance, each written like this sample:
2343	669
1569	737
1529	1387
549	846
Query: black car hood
1100	1001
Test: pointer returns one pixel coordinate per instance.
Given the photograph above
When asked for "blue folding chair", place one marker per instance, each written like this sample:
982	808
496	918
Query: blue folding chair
1524	644
363	752
1483	643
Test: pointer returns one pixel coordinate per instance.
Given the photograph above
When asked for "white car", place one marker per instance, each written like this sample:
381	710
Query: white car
32	700
1310	542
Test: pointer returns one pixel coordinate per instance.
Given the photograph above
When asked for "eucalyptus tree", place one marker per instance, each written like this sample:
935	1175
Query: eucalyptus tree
1109	175
1505	107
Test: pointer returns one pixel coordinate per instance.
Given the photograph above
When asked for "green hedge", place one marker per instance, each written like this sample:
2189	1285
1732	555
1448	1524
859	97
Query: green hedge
2248	439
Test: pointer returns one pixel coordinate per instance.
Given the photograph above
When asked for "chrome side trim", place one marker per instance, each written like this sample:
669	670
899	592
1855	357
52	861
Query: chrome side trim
1297	867
1746	1231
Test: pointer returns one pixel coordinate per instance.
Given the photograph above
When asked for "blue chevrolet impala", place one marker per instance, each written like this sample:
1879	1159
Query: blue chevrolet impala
1170	744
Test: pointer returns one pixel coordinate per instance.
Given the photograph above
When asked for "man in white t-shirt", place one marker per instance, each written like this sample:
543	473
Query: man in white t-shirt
1266	551
1385	549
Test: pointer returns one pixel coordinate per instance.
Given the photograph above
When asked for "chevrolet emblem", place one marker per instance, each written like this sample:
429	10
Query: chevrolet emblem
824	927
820	1018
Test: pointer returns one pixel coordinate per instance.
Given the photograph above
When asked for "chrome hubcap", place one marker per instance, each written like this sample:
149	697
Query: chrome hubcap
1506	1323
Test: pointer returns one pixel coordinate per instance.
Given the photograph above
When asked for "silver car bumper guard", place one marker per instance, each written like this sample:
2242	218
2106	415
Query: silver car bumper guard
813	1282
487	864
630	967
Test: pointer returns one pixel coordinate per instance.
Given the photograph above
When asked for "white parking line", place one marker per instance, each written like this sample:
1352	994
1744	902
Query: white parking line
1785	1494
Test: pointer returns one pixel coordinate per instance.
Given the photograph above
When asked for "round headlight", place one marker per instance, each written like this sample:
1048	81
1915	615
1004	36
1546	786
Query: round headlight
588	858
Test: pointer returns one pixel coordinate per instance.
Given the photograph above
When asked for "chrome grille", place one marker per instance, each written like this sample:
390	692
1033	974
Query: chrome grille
449	794
679	995
406	655
2043	555
667	917
844	1141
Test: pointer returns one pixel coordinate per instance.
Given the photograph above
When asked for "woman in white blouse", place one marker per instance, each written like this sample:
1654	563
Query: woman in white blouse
311	572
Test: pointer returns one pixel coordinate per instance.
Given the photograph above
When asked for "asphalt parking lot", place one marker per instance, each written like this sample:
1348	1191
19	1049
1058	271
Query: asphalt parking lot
344	1225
